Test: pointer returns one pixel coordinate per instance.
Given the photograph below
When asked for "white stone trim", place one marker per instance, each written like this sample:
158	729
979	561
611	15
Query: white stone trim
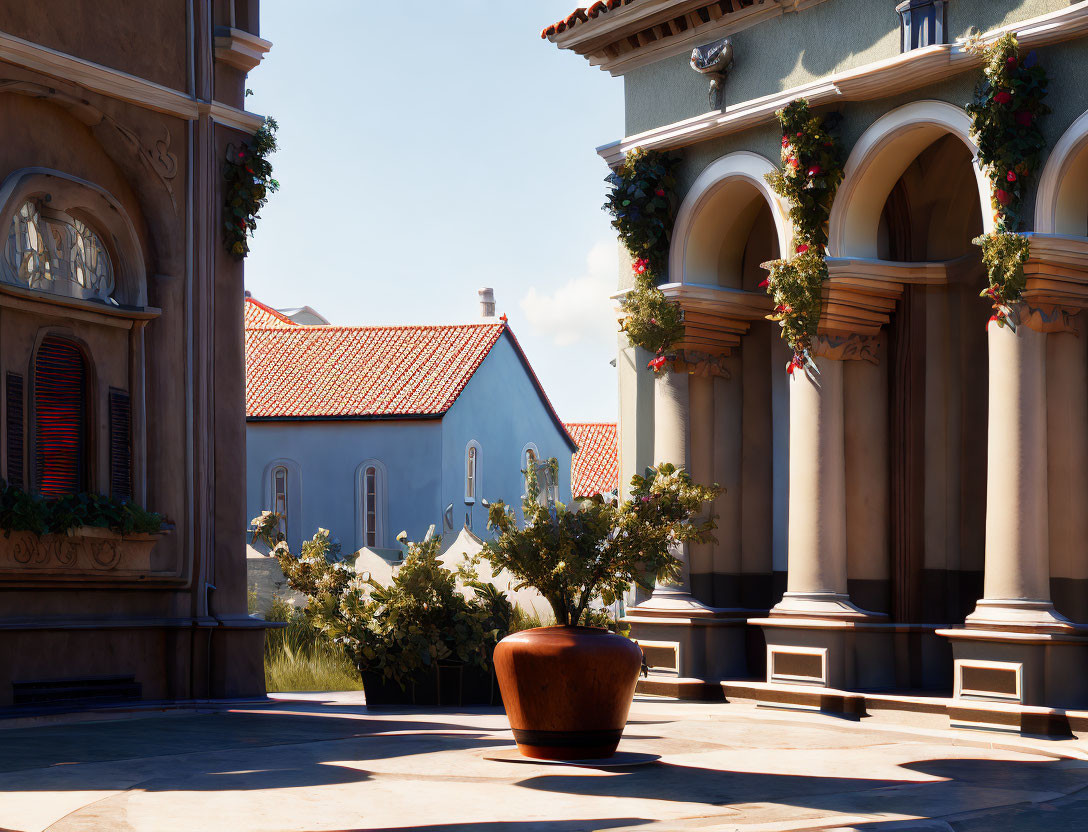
472	498
1054	198
822	653
880	157
1017	668
381	492
742	165
120	85
879	79
240	49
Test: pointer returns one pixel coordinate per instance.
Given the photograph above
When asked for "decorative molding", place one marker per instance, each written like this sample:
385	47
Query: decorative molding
879	79
639	34
1049	318
846	348
716	318
882	153
743	166
1057	271
701	364
120	85
239	49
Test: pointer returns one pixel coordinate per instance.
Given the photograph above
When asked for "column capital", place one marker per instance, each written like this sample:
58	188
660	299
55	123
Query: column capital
1056	273
1048	318
701	364
841	347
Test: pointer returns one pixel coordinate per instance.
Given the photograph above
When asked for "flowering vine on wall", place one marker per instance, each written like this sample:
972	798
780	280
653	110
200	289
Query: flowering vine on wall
812	170
642	202
1005	119
248	174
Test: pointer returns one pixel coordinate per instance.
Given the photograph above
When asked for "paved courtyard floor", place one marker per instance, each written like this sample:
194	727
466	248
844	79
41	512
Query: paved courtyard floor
323	762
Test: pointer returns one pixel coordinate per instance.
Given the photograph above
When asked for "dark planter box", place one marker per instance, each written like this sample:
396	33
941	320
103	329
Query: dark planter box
446	686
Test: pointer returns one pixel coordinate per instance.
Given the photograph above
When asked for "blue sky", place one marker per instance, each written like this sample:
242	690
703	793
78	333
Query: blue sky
431	148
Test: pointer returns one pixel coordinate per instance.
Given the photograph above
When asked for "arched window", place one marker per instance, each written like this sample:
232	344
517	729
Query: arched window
280	501
472	466
51	251
530	458
370	490
370	506
60	418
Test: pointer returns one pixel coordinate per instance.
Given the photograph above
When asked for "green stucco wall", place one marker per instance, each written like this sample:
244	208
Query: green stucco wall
798	48
1067	64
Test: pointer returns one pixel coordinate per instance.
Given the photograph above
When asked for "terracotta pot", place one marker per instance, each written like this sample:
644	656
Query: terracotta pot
567	690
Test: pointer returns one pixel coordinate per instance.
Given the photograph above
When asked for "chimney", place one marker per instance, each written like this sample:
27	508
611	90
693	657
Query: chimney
487	302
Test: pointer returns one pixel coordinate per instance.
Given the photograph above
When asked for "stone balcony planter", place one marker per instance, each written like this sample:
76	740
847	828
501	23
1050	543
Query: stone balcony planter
85	553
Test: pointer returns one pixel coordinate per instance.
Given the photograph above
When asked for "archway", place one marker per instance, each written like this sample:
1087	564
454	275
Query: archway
1061	206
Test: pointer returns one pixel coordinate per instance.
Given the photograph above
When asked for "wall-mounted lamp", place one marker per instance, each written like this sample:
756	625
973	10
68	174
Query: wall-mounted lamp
714	60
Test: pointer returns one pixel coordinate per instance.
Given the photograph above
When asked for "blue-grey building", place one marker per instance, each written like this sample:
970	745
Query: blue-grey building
368	431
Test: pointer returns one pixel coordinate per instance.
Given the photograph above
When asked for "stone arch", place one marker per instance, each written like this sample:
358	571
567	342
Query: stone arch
879	159
94	205
727	195
1061	205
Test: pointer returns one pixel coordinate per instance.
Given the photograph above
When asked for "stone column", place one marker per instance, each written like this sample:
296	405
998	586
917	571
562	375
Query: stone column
1017	580
1067	470
729	440
672	443
701	419
816	585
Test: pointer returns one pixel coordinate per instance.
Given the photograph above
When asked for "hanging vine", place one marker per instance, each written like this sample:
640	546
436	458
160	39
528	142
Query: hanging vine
812	170
642	202
248	175
1005	119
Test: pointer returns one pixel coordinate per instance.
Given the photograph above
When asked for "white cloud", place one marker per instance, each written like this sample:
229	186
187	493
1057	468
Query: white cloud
579	309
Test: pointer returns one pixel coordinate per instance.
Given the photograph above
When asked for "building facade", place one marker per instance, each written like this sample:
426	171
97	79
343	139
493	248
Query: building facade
119	346
371	431
912	516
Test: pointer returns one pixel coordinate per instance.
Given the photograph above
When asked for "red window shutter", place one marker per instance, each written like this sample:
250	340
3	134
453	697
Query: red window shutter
16	427
120	445
60	420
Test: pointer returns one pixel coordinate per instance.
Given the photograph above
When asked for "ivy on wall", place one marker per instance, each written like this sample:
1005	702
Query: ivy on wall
642	202
812	170
248	175
1005	119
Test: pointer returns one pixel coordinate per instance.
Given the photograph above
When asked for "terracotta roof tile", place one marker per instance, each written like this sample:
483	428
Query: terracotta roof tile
361	372
259	314
595	468
582	15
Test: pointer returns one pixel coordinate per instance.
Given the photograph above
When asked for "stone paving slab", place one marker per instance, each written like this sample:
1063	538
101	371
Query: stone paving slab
322	763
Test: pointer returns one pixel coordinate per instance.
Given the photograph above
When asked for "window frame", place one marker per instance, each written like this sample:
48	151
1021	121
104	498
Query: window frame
472	476
294	496
381	492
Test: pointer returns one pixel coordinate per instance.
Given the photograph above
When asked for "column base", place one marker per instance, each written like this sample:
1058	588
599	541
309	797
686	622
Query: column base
1046	669
1016	615
828	605
681	635
847	653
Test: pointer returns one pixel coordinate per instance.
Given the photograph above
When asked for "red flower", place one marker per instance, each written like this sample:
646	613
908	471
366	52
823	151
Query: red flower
793	163
766	282
1011	176
653	321
660	192
640	266
1024	118
1003	97
1004	197
798	134
815	170
657	363
1011	60
241	155
785	141
801	249
795	364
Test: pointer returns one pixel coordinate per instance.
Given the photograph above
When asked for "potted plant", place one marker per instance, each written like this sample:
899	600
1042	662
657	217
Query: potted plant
421	639
568	688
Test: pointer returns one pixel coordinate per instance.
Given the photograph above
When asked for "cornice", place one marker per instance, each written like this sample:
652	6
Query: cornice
879	79
120	85
715	317
1057	271
240	49
656	26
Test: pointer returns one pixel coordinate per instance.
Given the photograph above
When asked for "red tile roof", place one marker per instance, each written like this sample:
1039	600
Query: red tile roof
595	468
582	15
361	371
258	314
